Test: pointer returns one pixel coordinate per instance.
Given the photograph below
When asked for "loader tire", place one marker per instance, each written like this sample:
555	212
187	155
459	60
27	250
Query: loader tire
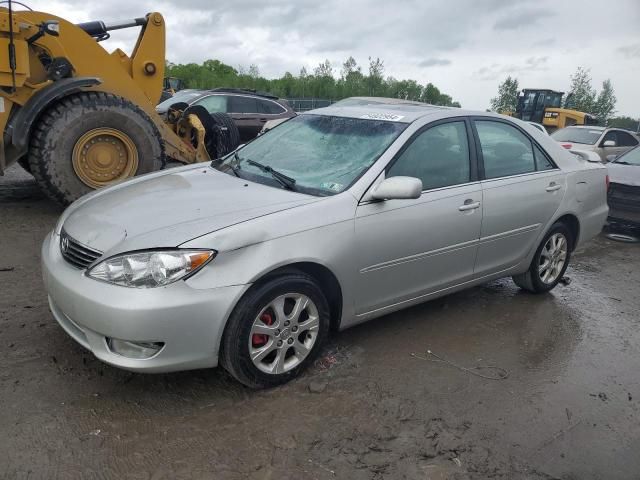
229	133
90	140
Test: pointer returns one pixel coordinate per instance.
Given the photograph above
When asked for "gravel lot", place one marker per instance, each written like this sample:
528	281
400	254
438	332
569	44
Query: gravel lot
570	407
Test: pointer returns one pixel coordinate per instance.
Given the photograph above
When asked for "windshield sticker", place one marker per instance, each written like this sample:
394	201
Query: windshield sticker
383	116
335	187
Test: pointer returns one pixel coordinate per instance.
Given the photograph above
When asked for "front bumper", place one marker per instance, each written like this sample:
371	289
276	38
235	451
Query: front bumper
189	321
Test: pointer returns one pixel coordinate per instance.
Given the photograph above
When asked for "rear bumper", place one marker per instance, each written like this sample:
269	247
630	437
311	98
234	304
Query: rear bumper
189	321
624	216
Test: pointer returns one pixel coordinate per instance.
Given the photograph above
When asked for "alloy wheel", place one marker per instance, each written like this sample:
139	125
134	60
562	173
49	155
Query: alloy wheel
553	258
283	333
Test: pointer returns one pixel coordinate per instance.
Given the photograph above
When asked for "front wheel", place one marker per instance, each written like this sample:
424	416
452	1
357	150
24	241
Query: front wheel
276	330
549	262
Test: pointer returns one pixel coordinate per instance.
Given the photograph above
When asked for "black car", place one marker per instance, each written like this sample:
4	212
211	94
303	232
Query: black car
624	189
249	110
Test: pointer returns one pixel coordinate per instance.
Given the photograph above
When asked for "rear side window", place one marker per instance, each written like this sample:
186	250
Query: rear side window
214	103
626	140
243	105
270	108
542	160
505	150
438	156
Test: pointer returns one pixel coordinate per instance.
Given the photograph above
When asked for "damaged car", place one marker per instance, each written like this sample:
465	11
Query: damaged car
336	217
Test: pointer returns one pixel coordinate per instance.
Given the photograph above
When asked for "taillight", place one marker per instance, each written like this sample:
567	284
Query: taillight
606	181
566	145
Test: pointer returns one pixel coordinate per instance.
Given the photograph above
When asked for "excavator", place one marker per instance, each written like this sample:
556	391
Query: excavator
80	118
545	107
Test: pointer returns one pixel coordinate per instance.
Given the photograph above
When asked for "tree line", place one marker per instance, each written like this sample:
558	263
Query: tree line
582	96
323	81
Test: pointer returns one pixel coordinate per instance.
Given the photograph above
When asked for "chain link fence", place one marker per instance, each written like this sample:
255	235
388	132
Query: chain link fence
304	104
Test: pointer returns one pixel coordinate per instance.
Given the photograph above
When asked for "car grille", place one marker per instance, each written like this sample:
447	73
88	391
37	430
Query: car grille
624	197
77	254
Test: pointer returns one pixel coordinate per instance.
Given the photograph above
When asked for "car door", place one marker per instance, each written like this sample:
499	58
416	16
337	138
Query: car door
244	110
521	189
604	152
408	248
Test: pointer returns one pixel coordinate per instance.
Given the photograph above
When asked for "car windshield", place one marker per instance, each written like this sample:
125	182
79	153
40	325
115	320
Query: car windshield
632	157
183	96
586	136
324	155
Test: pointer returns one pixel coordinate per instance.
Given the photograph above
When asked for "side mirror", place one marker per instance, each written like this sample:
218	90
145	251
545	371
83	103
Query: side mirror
398	188
609	143
611	158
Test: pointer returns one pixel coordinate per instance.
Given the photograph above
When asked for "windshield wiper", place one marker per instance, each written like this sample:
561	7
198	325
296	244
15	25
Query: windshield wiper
621	162
284	180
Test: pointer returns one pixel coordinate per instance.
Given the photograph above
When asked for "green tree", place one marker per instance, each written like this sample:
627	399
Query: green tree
629	123
375	78
321	84
507	98
581	96
605	105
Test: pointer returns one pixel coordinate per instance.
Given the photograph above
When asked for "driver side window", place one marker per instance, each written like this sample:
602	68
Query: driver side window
438	156
610	136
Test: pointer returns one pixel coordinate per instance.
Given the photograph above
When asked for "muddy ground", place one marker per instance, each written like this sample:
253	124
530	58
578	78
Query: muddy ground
570	407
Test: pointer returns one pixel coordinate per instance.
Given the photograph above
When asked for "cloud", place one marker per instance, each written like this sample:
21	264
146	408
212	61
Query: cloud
630	51
482	40
496	70
434	62
545	42
521	19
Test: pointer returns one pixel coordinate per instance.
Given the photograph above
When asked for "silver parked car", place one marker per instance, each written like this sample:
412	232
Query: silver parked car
608	143
332	218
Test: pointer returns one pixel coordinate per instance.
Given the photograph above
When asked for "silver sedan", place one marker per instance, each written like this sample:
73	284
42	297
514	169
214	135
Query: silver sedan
333	218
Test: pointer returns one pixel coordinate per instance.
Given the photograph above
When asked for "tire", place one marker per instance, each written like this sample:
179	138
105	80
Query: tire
240	340
68	121
229	133
532	280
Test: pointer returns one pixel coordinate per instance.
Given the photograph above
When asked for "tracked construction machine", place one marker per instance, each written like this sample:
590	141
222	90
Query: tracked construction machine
80	118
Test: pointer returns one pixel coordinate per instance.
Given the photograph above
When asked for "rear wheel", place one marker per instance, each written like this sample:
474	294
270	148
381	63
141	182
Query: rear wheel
276	330
90	140
549	262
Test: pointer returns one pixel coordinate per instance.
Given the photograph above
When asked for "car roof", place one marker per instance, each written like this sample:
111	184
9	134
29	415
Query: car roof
588	127
389	109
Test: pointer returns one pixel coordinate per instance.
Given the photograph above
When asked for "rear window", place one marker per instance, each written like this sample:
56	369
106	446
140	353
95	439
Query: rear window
243	105
585	136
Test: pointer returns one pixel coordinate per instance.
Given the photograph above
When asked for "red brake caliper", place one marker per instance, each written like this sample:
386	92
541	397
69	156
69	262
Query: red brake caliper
260	339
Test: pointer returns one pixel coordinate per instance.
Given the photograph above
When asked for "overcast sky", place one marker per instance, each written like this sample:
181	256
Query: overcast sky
464	47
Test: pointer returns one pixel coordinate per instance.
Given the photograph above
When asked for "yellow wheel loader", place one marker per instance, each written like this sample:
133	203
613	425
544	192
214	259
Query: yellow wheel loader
545	107
79	118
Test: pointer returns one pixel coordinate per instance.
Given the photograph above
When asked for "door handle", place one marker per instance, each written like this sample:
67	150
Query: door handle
553	186
469	205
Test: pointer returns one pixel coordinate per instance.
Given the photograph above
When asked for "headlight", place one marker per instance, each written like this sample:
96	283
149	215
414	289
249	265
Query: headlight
150	269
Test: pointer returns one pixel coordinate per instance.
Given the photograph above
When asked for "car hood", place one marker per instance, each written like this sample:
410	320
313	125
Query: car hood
168	210
625	174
